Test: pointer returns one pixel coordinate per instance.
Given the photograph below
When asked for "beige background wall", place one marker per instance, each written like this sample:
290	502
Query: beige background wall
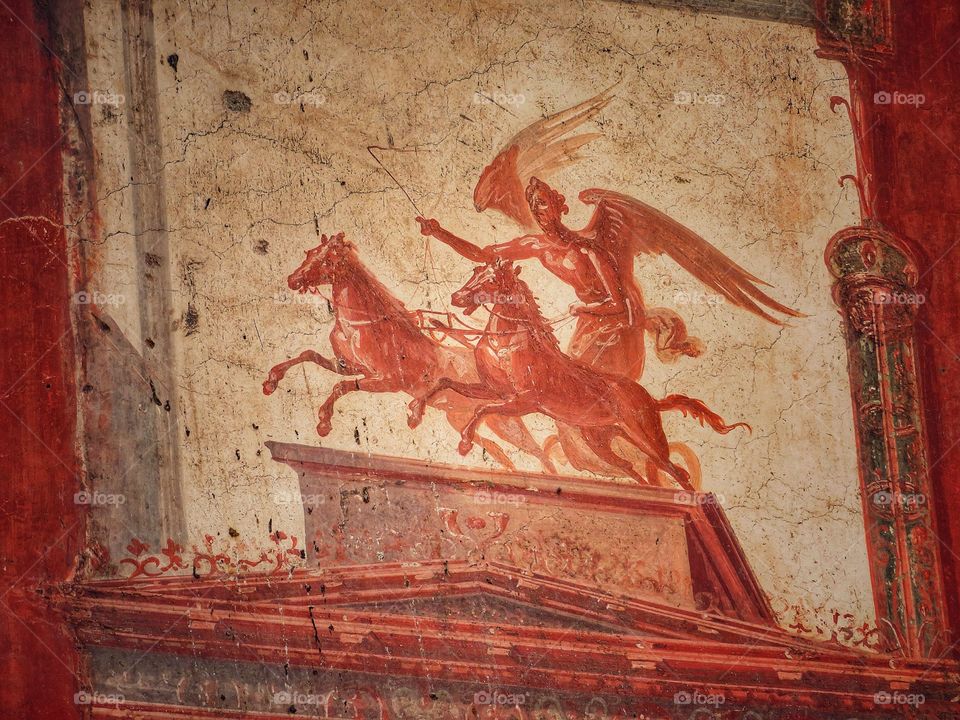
752	166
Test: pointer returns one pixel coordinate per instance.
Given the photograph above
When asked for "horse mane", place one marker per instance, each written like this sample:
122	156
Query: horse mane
391	304
538	324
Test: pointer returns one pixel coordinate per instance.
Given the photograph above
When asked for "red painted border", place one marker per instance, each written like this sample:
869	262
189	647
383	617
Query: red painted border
918	165
918	170
41	525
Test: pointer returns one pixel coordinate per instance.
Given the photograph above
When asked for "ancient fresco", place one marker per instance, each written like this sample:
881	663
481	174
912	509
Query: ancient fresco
251	184
448	283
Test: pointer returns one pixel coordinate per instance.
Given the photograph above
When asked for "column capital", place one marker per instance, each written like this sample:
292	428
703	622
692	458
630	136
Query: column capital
871	254
877	279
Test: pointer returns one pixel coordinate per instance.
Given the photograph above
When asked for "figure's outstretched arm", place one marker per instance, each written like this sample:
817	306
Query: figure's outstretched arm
520	248
432	228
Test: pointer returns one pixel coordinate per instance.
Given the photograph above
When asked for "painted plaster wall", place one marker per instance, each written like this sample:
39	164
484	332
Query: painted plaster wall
266	114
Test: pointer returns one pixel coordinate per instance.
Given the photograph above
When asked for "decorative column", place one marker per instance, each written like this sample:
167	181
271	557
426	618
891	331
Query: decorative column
876	290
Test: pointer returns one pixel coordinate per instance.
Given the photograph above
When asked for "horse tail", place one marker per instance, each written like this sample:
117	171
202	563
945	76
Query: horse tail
698	410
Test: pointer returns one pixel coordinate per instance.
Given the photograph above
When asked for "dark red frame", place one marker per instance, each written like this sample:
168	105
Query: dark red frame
916	173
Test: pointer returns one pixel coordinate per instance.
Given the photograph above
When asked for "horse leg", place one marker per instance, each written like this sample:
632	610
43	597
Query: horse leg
458	420
599	440
366	384
691	461
690	458
672	469
522	404
654	445
277	372
496	452
578	453
417	406
516	432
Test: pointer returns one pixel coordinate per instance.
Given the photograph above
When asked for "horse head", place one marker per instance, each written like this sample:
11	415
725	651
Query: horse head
495	283
322	263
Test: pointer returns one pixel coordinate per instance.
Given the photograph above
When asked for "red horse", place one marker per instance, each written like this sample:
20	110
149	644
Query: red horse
522	370
376	338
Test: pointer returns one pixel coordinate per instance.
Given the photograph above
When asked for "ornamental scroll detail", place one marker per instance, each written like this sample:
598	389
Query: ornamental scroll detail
876	290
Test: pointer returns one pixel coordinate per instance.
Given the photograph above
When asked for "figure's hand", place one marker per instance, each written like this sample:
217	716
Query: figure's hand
273	379
430	227
579	309
325	425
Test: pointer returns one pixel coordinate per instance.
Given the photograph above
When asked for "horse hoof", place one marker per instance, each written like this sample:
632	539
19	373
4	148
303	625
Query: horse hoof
269	386
464	447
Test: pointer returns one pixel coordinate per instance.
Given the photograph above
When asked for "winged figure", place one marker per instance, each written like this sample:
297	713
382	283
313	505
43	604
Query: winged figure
598	260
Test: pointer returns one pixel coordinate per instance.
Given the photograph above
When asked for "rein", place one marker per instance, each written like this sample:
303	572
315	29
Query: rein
528	321
434	326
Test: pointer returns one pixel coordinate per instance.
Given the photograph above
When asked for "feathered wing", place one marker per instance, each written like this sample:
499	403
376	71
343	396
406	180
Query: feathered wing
623	223
539	150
